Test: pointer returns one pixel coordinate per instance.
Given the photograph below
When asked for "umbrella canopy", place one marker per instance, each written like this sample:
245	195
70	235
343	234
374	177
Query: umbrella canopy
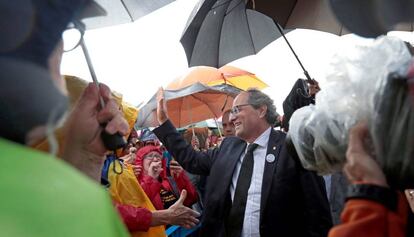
188	105
374	18
123	11
220	31
307	14
226	75
358	16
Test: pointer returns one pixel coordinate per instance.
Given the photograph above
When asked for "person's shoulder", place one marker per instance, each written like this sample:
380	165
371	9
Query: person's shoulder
231	140
49	189
278	134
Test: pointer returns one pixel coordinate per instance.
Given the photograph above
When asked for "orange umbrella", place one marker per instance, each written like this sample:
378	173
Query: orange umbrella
210	76
191	104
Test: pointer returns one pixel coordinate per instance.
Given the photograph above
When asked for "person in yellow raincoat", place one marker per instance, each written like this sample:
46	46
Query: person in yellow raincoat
136	210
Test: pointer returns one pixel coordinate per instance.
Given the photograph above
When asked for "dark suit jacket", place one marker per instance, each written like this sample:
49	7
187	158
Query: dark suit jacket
293	200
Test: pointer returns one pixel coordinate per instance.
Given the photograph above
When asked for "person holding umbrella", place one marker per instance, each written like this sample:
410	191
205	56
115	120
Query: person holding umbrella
63	201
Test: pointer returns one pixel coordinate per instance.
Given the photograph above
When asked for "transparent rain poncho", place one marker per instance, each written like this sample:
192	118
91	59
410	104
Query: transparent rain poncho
365	82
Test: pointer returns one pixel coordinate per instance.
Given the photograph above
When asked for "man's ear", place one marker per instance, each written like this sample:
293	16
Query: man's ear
262	111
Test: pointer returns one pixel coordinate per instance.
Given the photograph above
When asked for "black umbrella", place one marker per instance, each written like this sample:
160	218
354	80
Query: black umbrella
307	14
123	11
224	30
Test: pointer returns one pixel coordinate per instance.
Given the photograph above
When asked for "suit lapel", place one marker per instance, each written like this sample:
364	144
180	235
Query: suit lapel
230	165
273	148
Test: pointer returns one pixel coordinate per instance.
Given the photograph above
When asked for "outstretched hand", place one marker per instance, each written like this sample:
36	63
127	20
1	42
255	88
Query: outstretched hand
162	114
182	215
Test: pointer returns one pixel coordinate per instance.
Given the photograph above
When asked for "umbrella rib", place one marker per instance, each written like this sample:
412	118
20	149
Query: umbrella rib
179	112
127	10
235	6
220	4
250	32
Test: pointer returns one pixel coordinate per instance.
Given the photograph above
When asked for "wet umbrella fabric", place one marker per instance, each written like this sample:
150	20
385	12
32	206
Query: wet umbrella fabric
219	78
188	105
123	11
306	14
374	18
224	30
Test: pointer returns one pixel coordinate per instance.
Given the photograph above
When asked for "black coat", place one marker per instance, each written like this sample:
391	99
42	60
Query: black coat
298	97
293	200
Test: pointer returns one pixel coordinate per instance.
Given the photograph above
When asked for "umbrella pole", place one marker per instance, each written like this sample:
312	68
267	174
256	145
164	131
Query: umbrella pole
218	127
294	53
191	114
91	69
111	141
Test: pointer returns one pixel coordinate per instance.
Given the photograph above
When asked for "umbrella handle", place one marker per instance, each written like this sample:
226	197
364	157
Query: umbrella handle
111	141
308	77
218	127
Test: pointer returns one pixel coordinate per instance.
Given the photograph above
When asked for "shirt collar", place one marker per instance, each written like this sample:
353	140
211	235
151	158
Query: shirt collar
263	139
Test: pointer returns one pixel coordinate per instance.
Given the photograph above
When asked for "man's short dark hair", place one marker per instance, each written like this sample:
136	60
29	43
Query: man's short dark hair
257	99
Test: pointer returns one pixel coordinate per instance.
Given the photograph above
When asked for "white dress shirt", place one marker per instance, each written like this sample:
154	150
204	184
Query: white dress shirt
252	212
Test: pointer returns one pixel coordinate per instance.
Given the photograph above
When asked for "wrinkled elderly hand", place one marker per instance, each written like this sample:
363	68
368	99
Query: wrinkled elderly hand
360	166
162	114
182	215
137	170
84	148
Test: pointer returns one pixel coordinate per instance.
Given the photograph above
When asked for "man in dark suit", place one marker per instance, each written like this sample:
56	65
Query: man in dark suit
254	187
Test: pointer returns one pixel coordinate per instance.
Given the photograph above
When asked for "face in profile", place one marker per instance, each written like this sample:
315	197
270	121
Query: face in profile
228	126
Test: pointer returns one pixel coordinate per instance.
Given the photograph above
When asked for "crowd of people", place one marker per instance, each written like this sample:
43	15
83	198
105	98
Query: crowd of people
248	183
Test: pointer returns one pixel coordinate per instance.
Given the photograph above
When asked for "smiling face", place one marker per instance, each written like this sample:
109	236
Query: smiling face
248	122
153	156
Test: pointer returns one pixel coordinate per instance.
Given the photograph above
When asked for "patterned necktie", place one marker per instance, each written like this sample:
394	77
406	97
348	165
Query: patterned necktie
236	216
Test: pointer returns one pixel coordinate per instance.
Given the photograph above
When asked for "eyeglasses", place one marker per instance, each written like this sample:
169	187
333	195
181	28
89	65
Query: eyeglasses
236	109
73	36
152	156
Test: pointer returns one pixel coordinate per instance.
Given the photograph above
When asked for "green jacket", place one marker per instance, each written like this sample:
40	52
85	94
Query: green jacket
42	196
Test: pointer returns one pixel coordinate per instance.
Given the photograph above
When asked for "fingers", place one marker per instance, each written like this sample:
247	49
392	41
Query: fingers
183	196
105	92
160	97
109	111
161	106
191	218
356	139
349	171
117	124
110	114
355	152
89	99
137	169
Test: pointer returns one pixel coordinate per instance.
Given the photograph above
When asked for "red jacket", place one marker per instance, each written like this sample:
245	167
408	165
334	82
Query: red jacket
152	187
135	218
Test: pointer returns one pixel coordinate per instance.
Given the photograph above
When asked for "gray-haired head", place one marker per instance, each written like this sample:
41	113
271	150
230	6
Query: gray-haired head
257	99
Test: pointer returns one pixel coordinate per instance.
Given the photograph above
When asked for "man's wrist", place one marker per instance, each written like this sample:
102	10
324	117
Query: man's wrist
379	194
161	217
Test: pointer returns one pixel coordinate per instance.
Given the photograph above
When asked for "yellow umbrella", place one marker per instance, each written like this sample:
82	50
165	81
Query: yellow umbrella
210	76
